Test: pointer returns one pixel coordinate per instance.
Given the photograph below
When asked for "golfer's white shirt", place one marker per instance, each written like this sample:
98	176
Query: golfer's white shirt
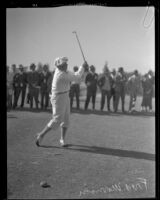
61	80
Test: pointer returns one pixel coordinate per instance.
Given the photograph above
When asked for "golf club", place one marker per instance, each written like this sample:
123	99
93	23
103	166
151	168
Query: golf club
79	45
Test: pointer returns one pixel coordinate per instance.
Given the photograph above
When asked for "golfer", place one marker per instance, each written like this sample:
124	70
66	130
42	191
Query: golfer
60	98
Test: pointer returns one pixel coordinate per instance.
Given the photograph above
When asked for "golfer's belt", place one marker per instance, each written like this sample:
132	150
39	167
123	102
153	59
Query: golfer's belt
62	92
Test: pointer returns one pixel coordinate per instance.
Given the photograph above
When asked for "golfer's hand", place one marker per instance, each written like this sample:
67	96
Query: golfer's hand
85	66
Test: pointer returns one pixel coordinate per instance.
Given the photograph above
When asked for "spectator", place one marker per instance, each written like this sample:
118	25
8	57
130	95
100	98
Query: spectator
133	88
104	83
33	83
147	86
120	88
39	70
152	82
113	78
16	86
91	83
75	90
13	73
44	76
20	82
9	88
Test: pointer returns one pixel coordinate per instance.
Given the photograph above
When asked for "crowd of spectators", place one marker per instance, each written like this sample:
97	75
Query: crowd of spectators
34	84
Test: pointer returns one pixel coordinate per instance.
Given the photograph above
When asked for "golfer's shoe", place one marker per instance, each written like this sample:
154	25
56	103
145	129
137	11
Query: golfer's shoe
62	143
38	140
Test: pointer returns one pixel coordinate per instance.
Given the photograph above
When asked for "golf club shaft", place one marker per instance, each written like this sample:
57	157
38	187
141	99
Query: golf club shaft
79	45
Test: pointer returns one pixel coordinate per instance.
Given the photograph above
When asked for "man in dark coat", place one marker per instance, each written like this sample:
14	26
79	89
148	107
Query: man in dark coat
133	85
14	72
44	76
74	90
152	83
147	85
113	80
9	88
20	81
104	83
91	83
120	88
33	80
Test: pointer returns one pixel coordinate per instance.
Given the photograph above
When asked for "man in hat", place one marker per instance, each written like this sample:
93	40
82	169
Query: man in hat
13	74
16	85
91	83
21	83
40	67
133	88
9	88
60	98
113	80
104	83
44	76
74	90
40	72
152	83
33	80
120	88
147	86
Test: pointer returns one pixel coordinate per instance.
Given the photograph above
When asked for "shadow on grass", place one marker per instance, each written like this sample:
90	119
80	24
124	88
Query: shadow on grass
107	151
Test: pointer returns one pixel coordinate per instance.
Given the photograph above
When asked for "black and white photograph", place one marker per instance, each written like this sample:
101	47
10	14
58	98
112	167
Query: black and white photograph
80	102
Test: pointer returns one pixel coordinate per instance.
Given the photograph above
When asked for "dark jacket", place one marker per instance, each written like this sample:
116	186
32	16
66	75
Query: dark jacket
44	81
120	82
147	85
33	79
20	80
91	81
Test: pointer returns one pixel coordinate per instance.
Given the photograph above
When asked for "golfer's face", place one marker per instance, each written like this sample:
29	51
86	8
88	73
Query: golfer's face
63	67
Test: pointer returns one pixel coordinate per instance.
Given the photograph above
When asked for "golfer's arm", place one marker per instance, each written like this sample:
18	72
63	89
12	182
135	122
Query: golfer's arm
77	76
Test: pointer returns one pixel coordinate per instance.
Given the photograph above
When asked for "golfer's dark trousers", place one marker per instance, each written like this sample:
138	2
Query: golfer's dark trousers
120	93
17	92
74	91
105	93
44	97
33	93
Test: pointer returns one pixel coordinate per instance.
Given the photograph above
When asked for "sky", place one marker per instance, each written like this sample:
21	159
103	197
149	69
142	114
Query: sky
122	36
